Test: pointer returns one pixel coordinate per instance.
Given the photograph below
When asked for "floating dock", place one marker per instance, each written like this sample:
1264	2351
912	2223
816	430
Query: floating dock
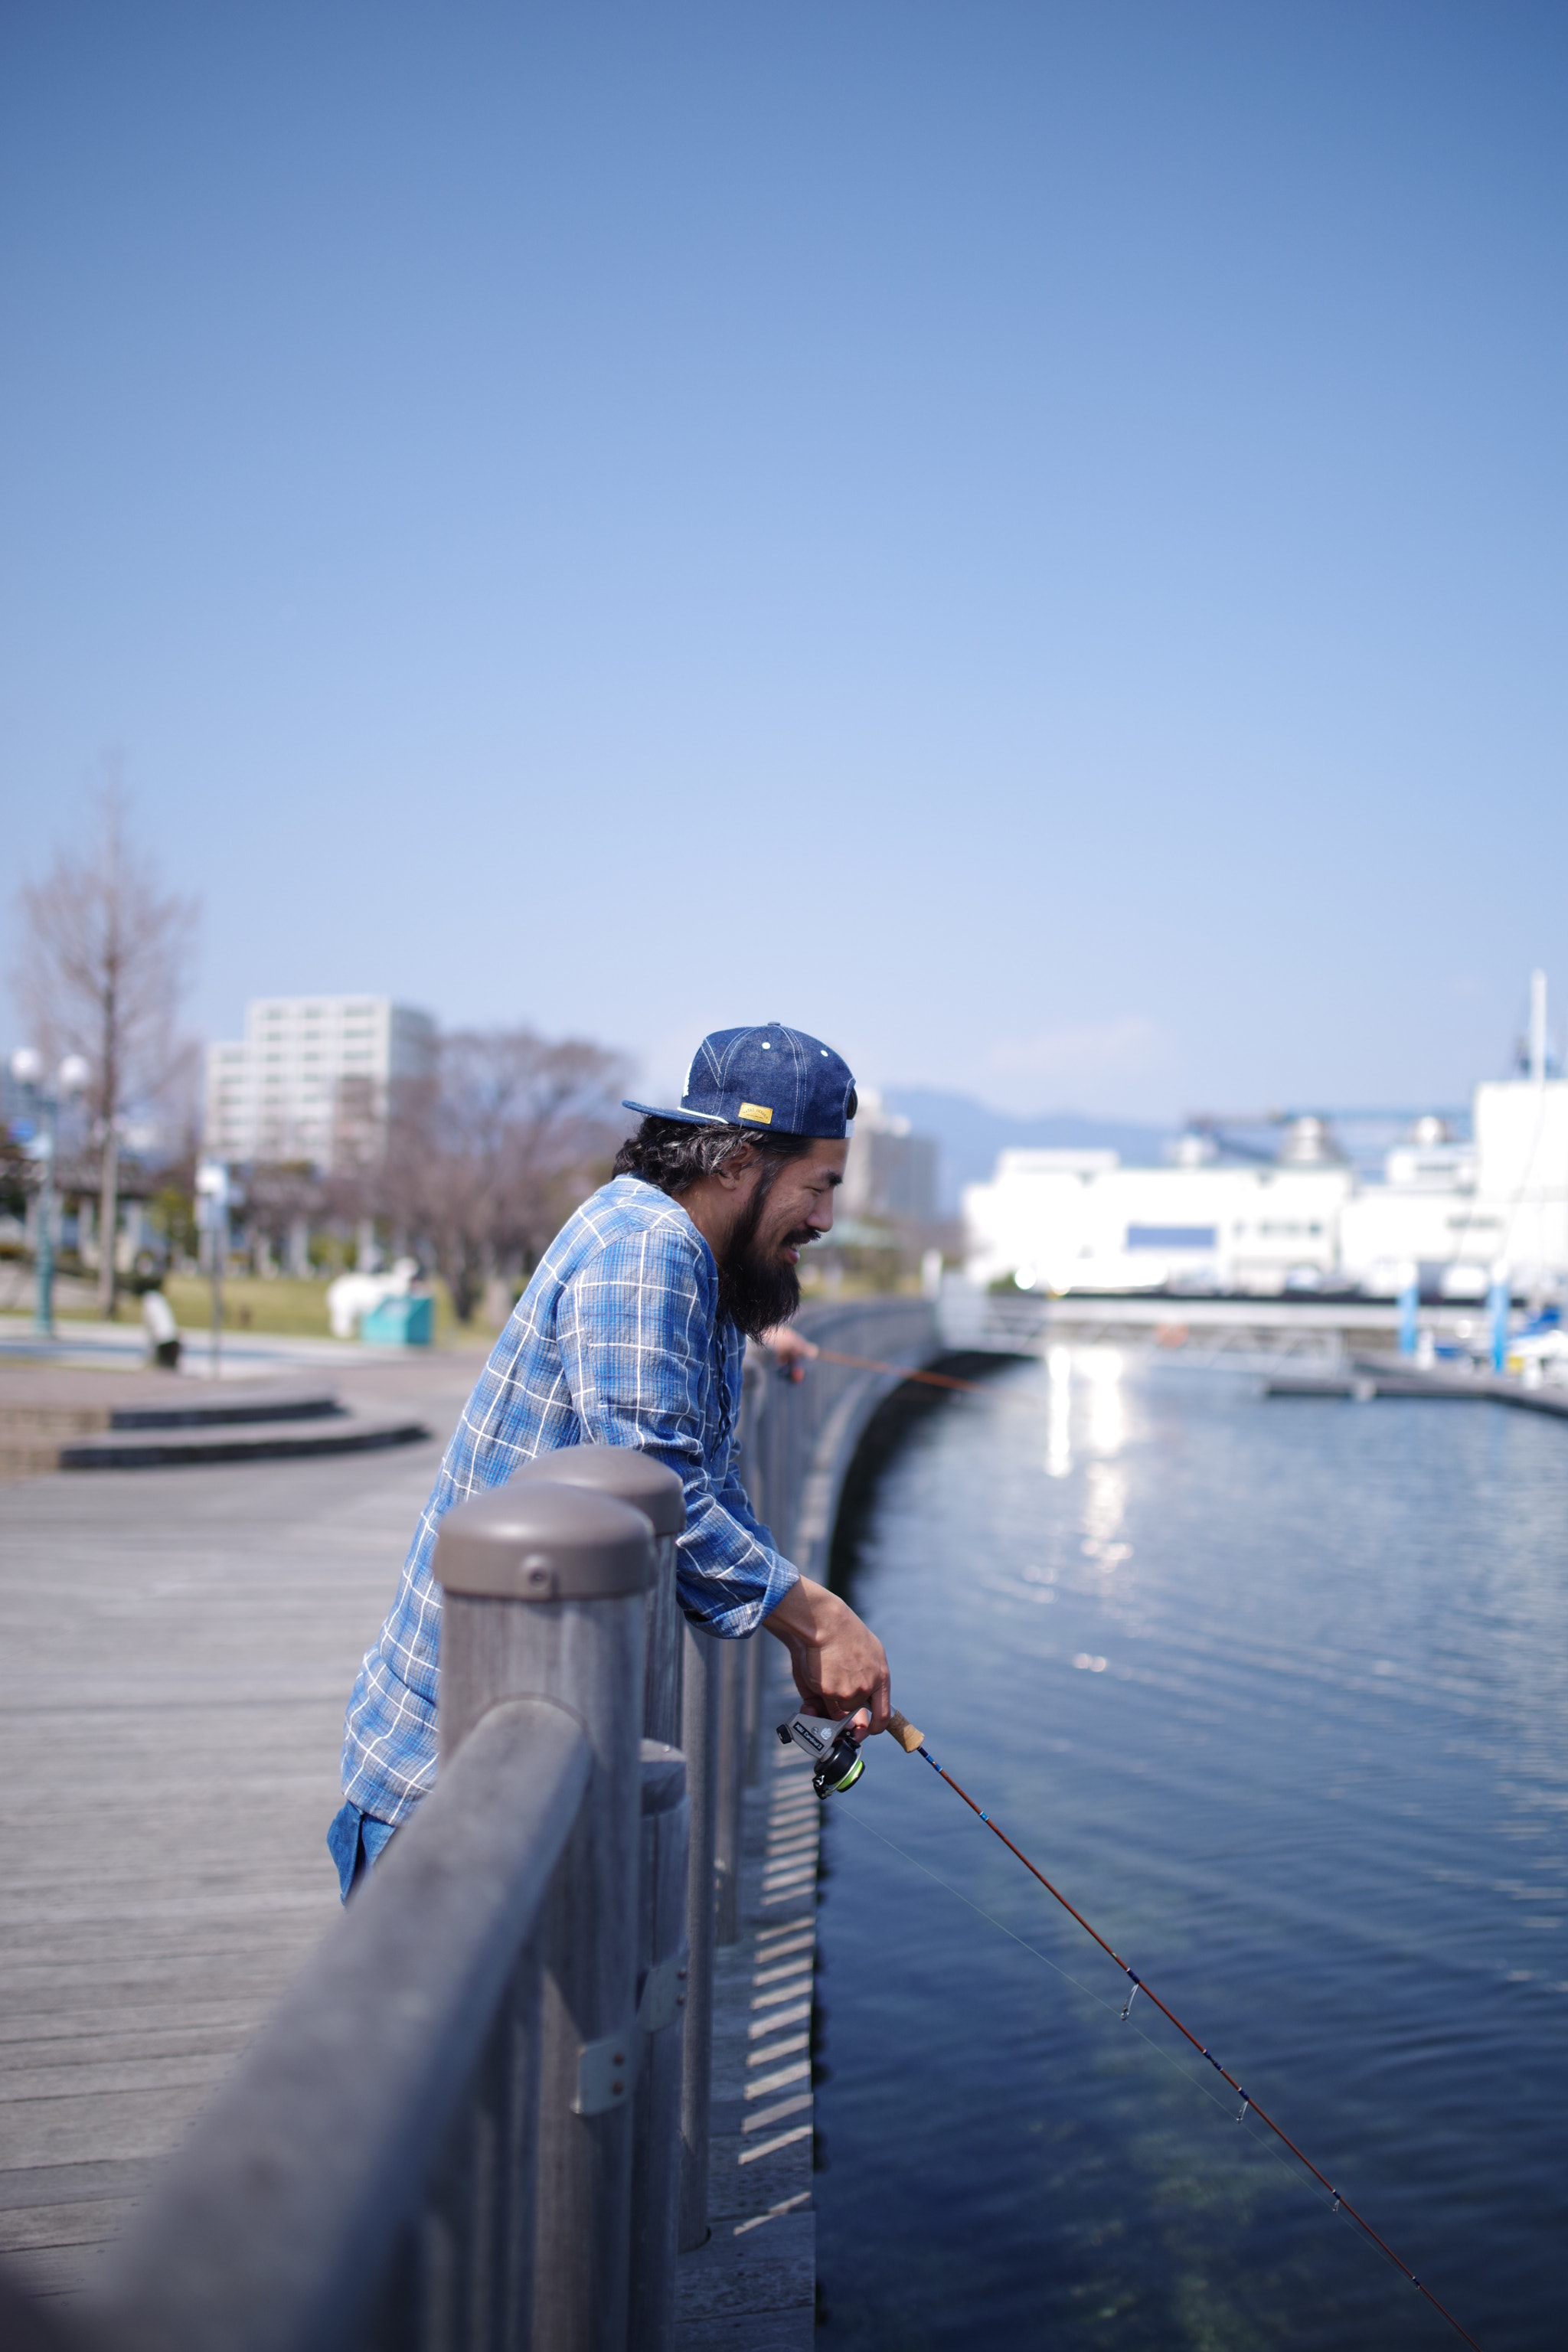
1382	1376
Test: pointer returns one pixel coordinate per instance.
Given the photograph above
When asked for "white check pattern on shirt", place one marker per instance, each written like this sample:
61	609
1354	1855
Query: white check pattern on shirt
616	1341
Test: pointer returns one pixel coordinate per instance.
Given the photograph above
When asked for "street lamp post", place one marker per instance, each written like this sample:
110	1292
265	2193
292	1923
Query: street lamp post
212	1196
27	1069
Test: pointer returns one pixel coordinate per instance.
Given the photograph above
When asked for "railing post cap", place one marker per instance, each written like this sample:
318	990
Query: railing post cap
542	1542
620	1470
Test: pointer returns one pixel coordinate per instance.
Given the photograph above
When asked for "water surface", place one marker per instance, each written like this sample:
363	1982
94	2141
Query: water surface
1277	1693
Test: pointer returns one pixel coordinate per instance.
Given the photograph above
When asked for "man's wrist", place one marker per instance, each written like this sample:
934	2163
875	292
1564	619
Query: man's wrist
806	1614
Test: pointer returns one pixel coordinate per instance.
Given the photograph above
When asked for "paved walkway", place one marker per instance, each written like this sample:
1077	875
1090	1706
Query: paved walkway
178	1645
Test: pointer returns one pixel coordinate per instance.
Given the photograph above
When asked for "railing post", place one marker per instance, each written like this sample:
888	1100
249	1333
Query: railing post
729	1799
700	1739
664	1979
636	1478
543	1597
753	1713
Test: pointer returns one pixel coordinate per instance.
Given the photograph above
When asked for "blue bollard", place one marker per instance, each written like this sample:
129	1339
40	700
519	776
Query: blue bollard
1500	1303
1410	1307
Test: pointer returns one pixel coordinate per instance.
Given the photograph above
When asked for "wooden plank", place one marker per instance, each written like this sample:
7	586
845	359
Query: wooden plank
48	2228
283	2207
91	2032
54	2273
179	1644
116	2126
72	2184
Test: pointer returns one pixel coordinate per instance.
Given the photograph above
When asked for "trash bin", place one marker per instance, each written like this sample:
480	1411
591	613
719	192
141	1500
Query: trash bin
405	1322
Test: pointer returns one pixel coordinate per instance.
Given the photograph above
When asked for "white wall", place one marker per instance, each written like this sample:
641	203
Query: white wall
1521	1152
1100	1226
1073	1216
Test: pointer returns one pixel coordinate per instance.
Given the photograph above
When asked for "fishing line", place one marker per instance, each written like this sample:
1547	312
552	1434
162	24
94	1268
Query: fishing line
915	1745
1167	2057
1265	2147
840	1773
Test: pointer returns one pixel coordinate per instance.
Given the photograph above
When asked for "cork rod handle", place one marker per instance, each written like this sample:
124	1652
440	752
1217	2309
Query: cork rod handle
904	1732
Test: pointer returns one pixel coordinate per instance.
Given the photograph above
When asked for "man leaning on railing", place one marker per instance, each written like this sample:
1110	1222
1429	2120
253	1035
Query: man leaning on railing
632	1333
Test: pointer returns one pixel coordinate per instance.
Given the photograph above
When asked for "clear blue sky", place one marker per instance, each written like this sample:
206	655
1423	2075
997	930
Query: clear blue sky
1029	540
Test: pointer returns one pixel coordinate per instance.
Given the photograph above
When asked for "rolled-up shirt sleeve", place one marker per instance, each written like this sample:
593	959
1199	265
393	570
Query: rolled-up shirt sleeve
633	1326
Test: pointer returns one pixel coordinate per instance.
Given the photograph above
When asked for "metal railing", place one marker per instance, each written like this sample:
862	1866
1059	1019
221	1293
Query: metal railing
365	2175
801	1436
1202	1334
480	2117
432	2141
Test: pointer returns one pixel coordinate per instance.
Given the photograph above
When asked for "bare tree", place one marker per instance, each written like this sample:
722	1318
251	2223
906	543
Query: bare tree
103	970
486	1157
281	1196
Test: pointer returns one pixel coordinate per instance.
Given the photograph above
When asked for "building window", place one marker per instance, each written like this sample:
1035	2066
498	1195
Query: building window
1172	1237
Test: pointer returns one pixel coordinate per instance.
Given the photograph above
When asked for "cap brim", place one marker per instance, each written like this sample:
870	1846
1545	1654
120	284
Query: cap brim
684	1117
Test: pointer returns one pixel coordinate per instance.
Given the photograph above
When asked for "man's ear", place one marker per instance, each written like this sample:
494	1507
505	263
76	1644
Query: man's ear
735	1170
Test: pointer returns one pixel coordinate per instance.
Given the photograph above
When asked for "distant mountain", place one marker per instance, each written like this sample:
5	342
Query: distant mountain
971	1135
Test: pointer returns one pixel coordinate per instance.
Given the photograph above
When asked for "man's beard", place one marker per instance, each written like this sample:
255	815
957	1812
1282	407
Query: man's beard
754	1294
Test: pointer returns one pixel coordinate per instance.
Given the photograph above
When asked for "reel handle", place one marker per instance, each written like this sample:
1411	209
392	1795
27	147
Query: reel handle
904	1732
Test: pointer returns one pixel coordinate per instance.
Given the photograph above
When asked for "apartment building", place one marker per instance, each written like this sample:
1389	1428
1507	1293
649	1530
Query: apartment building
312	1077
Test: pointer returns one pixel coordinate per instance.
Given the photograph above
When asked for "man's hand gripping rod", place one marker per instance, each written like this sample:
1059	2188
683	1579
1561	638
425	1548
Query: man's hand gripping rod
835	1747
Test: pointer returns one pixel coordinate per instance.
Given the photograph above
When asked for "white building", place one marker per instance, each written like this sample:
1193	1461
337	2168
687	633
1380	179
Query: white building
310	1079
1451	1211
1078	1219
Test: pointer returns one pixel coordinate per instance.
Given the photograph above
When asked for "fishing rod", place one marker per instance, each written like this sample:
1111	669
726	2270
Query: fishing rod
898	1371
835	1749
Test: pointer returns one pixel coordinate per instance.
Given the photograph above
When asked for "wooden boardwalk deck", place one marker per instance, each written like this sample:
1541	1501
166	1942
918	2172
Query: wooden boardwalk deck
752	2287
178	1645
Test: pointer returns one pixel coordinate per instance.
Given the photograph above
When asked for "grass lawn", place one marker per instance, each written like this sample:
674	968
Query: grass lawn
283	1305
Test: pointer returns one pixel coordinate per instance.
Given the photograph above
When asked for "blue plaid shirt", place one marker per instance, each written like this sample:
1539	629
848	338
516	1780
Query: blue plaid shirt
616	1341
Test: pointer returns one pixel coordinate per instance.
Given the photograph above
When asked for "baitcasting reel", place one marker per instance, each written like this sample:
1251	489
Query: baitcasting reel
836	1747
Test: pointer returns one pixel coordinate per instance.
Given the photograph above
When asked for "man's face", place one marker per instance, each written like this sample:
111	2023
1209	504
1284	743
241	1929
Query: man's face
799	1204
759	1287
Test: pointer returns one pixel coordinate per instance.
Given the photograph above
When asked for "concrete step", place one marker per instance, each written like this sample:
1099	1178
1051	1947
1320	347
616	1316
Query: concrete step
258	1441
37	1424
28	1460
228	1405
178	1404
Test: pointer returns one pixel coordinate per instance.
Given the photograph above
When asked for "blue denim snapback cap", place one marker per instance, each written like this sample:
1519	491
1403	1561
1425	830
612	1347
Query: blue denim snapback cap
771	1077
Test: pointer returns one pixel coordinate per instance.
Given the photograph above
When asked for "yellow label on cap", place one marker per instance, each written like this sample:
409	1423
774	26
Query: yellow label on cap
758	1111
